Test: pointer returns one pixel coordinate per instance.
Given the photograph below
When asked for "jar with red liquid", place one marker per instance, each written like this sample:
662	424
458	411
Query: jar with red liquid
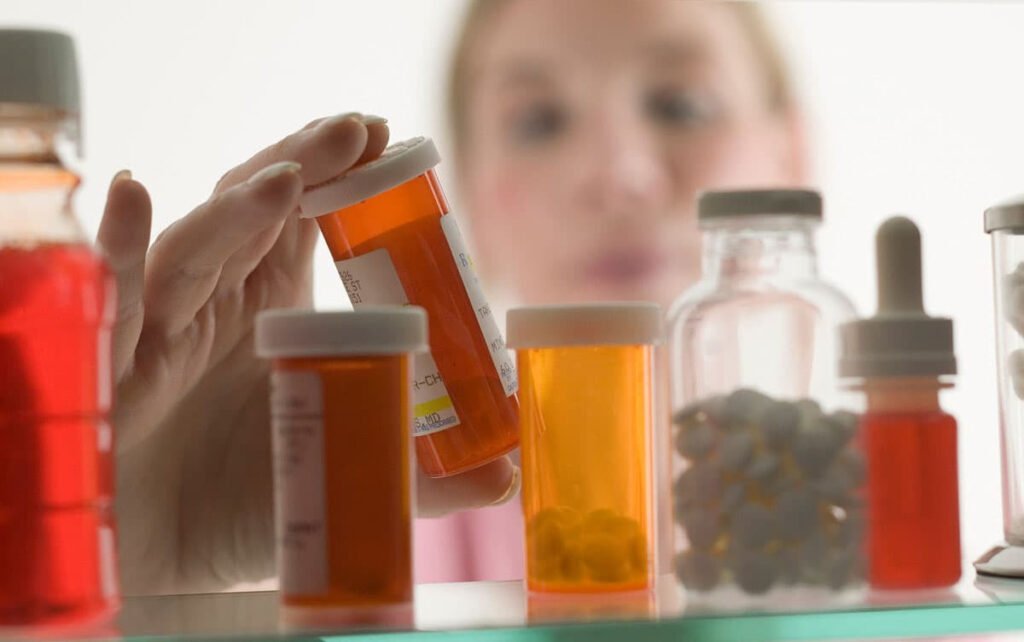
901	359
57	309
395	242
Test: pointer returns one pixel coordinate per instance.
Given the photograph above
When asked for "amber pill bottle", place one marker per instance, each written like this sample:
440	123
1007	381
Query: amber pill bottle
586	421
341	414
394	242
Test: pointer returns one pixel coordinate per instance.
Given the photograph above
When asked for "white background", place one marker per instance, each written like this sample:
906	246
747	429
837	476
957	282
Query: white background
916	108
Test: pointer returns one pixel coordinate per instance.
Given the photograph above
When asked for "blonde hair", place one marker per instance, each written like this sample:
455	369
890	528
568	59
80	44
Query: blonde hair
767	51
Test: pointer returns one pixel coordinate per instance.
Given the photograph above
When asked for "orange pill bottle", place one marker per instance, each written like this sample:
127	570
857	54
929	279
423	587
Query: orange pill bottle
586	423
394	242
343	462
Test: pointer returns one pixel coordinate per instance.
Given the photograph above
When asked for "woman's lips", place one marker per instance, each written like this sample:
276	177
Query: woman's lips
625	266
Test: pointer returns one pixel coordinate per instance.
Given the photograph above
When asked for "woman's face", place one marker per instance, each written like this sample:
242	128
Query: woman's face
591	126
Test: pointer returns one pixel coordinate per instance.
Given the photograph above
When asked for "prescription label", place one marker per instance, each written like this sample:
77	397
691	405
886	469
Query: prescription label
485	317
371	279
297	412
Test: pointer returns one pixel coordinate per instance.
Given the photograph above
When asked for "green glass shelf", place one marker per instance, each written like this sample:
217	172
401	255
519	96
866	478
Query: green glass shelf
499	611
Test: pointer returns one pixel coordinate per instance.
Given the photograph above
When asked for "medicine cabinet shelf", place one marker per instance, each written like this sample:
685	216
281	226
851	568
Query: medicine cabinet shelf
497	611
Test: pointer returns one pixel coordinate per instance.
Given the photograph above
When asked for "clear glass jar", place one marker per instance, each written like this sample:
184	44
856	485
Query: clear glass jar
767	467
1005	224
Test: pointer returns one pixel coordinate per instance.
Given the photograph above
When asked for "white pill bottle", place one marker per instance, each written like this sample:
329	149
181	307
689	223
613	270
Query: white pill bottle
769	475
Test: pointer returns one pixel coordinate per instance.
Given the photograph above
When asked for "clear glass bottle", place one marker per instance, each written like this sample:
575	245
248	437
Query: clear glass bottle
57	309
1005	223
767	467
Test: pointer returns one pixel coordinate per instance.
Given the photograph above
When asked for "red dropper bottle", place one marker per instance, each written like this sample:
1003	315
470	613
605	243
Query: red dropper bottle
901	358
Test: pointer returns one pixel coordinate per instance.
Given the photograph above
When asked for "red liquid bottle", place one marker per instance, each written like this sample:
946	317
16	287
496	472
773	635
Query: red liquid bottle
57	308
914	517
901	358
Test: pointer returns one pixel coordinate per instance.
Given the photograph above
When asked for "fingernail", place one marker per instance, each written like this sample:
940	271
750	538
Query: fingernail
370	119
334	120
513	487
123	175
271	171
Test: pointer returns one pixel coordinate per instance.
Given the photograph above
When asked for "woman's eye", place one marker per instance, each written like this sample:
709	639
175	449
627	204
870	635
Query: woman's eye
677	108
538	124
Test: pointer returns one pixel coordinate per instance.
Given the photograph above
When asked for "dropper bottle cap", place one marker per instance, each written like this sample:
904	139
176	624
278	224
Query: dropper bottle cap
901	340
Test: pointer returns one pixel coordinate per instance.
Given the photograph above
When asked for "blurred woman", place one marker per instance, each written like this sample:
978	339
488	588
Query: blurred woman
583	130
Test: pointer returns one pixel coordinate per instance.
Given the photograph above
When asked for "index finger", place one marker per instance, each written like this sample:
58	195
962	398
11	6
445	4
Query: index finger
324	148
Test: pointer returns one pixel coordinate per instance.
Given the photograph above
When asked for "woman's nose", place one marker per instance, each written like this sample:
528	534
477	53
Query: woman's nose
622	170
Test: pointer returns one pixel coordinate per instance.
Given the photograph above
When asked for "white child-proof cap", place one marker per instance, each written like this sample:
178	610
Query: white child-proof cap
400	162
370	331
552	326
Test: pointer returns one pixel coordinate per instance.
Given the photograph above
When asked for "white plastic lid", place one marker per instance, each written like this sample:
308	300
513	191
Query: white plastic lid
552	326
383	330
400	162
1006	216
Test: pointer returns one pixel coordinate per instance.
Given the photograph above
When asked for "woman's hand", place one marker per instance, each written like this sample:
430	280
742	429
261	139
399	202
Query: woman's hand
194	478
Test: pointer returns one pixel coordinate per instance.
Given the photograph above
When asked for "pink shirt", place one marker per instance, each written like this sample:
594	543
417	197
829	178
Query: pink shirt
482	544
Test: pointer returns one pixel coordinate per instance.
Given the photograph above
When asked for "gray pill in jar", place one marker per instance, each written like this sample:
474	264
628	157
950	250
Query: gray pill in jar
779	425
788	560
701	483
755	572
786	479
847	422
797	512
698	571
815	449
813	552
736	451
764	467
744	407
733	497
688	415
850	530
696	440
852	462
702	527
713	410
707	410
839	569
835	485
753	526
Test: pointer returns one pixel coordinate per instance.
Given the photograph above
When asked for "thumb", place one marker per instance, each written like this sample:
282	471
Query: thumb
489	485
